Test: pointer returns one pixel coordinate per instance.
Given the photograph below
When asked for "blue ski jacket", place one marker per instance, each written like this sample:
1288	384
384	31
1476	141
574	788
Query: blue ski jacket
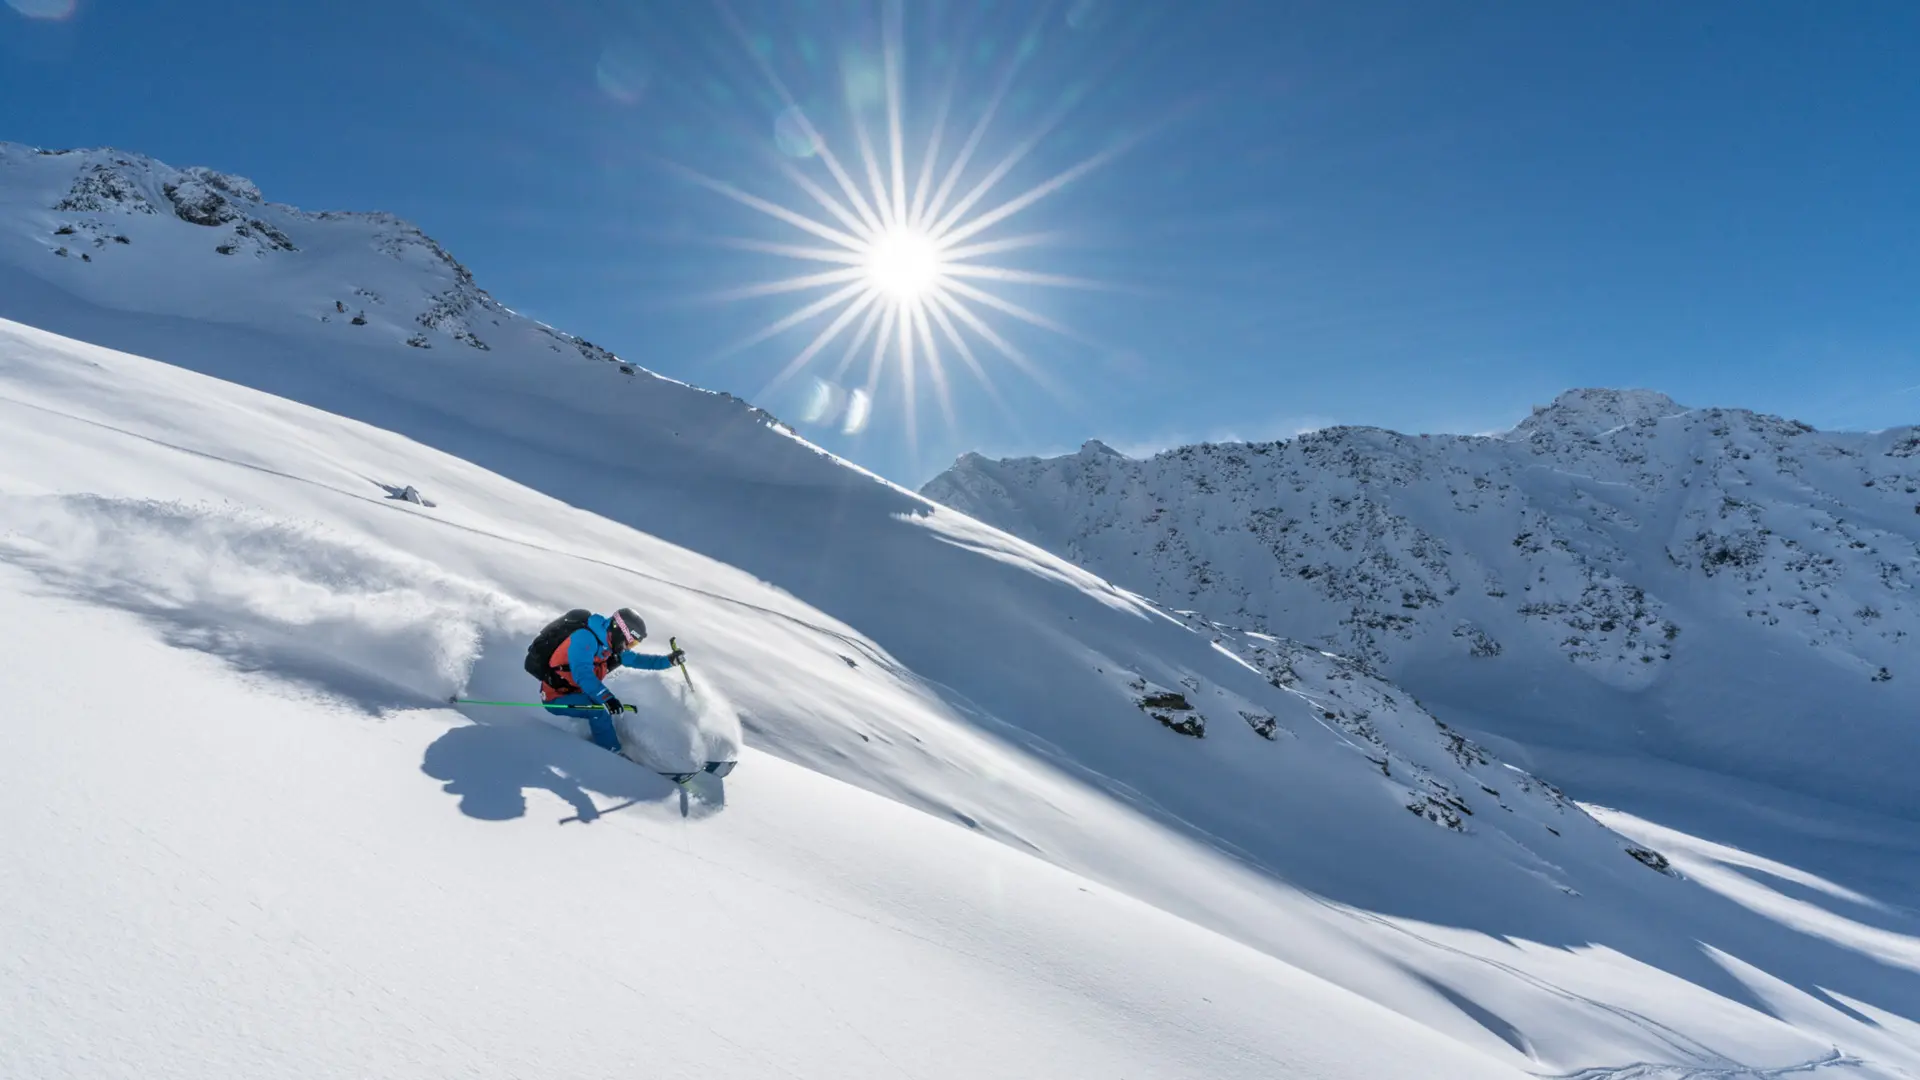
588	658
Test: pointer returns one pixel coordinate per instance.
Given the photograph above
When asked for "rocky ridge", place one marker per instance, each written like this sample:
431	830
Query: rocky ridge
97	200
1608	533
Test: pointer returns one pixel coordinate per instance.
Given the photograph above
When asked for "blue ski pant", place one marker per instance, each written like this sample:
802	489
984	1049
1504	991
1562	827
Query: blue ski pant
599	721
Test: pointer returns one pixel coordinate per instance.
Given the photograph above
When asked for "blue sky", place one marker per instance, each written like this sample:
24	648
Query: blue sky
1424	215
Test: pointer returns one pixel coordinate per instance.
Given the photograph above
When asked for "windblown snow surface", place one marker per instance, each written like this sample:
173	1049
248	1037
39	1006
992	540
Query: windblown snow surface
995	817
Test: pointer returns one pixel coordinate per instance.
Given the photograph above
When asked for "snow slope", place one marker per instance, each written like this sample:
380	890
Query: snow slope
959	744
224	858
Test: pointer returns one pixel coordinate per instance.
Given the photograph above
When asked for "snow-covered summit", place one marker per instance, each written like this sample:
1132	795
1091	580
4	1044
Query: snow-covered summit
138	234
1596	410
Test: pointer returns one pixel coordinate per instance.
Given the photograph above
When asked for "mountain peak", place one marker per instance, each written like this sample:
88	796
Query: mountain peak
1593	410
132	233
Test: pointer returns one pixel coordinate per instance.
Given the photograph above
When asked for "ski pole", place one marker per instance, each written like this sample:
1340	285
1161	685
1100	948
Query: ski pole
674	644
523	704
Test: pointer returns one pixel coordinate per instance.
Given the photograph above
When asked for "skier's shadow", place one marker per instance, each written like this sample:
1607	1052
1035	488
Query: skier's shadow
492	766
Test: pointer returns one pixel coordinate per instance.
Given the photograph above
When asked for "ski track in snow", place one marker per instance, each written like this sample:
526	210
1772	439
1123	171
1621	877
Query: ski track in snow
1727	1071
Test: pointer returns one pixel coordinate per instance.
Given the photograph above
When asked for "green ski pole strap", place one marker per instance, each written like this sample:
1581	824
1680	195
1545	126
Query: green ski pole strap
526	704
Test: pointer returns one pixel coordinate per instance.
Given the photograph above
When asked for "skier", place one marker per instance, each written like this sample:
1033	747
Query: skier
576	651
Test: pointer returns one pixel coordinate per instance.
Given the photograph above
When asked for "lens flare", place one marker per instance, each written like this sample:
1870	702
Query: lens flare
1084	14
859	410
823	403
862	82
50	10
794	134
622	73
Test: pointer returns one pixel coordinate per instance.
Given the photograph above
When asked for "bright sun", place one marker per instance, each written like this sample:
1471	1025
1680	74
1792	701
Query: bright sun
910	275
904	263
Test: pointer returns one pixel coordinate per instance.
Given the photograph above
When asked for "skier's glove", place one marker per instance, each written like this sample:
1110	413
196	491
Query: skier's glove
677	657
613	705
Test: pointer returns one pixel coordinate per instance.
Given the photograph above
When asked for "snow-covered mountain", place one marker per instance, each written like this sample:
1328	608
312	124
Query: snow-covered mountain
115	222
1714	588
998	817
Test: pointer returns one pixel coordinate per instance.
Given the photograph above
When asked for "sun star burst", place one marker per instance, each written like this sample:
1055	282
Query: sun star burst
905	261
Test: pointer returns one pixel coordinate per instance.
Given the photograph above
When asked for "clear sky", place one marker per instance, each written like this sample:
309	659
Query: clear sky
1266	215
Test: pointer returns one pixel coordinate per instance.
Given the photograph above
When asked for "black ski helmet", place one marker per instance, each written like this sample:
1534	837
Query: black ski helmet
629	626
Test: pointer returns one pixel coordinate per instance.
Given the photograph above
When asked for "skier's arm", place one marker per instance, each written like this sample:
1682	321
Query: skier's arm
582	647
645	661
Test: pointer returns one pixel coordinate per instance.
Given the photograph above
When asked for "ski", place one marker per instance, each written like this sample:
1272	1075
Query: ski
717	769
